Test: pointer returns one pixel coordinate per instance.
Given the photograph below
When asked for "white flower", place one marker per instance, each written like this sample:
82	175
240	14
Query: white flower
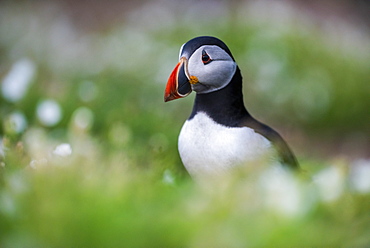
49	112
168	178
63	150
282	192
16	82
360	175
83	118
18	121
330	183
2	148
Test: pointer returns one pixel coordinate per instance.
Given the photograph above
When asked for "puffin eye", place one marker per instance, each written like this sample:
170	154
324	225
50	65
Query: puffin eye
205	58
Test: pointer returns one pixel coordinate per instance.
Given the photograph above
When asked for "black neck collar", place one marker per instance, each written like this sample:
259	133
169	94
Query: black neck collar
225	106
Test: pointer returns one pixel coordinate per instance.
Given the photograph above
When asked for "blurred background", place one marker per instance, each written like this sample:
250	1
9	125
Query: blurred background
87	78
306	67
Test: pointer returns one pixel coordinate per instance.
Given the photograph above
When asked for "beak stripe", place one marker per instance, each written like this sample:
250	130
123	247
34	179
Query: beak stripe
178	85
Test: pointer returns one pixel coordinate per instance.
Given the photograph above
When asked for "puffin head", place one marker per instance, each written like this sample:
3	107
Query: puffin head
206	65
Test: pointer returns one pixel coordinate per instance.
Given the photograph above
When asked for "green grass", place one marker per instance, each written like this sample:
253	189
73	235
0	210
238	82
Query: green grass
88	202
124	184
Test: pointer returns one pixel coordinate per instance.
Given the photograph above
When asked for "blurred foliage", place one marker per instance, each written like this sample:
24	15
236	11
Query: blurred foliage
122	183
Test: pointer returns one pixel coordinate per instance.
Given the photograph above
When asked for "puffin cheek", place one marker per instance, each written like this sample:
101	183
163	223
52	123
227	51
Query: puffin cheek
219	74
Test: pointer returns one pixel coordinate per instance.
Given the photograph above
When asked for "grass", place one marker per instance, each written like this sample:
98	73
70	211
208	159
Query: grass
123	183
100	203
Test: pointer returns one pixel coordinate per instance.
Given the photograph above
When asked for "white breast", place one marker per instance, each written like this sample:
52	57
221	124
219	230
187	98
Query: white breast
208	147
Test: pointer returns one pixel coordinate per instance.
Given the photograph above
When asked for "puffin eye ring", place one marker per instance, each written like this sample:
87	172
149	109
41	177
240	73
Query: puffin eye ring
205	57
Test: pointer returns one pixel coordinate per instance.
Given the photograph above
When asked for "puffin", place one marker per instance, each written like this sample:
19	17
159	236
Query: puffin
220	133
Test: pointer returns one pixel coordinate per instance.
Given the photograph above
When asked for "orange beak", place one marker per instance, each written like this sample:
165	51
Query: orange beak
178	84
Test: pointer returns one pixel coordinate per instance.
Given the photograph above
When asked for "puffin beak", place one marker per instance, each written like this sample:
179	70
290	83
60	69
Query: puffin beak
178	84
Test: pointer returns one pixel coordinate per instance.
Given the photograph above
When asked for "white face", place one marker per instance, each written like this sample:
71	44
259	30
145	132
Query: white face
213	74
